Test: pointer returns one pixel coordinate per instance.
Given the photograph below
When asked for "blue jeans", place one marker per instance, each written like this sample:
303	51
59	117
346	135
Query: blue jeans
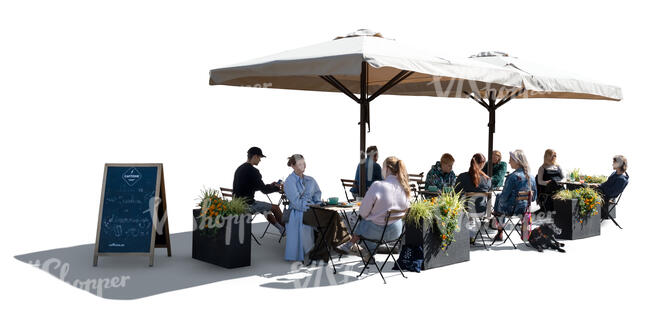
371	230
259	207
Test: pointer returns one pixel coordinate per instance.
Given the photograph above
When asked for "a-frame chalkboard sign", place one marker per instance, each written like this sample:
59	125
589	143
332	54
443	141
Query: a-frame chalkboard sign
132	212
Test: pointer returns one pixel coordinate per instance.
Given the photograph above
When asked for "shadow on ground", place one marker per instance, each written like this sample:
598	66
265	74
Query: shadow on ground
130	277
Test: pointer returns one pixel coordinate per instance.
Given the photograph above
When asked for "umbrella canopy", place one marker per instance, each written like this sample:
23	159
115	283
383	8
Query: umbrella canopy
366	64
342	58
541	81
537	81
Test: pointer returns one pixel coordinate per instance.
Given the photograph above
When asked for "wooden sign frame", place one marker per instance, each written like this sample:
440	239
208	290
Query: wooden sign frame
162	207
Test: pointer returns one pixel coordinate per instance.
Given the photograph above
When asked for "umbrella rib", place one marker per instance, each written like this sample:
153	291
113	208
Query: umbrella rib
509	97
479	100
391	83
338	85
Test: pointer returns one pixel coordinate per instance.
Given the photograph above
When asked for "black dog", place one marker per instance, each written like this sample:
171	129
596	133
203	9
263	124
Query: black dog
543	237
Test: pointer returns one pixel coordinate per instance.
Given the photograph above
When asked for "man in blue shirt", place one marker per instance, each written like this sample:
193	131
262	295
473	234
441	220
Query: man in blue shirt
373	170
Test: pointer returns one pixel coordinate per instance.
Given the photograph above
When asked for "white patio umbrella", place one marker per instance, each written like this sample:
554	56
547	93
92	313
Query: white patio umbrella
368	65
537	81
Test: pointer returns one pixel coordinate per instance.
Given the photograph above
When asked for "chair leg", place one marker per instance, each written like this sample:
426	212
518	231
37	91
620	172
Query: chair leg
508	238
390	255
255	238
265	230
616	223
365	265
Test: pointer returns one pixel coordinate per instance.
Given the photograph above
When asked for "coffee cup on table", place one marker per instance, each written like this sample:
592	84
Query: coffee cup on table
333	200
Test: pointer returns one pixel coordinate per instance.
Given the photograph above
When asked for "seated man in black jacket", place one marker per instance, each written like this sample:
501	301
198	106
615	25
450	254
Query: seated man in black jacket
248	180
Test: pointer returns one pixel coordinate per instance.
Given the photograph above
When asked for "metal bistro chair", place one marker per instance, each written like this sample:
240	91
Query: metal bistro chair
392	215
609	206
483	218
347	185
284	202
226	194
416	183
521	196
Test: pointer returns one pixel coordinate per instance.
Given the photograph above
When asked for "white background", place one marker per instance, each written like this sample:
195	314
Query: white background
83	83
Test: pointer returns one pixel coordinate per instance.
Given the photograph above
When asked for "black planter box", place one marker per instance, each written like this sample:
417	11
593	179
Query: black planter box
213	249
567	218
434	256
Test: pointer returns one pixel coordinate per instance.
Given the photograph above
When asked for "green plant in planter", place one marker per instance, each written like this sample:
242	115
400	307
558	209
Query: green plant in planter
214	209
596	179
588	200
444	211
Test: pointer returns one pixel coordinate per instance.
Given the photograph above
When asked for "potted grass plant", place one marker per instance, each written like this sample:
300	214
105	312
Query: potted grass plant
438	225
576	213
222	230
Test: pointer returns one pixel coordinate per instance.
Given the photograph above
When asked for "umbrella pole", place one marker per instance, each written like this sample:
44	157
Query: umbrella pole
364	108
364	111
491	121
492	107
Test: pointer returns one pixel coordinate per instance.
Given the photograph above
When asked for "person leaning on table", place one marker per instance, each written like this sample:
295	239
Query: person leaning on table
519	180
383	196
616	182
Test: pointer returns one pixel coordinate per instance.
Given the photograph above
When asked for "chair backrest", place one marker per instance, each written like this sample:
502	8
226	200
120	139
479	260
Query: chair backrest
486	195
416	177
347	185
477	194
284	201
394	215
226	193
523	195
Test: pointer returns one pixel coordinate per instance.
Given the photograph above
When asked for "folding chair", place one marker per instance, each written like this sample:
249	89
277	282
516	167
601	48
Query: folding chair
347	185
544	198
610	206
284	202
393	215
416	177
521	196
483	218
226	194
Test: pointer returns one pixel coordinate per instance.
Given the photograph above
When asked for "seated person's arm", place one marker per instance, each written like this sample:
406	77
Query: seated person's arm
368	201
296	200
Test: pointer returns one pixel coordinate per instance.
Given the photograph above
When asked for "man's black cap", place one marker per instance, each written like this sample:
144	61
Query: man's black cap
255	151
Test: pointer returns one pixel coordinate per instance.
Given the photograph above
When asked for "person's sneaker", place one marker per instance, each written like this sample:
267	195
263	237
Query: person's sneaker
348	248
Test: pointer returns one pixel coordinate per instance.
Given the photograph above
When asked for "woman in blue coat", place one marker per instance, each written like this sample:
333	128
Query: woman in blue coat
301	191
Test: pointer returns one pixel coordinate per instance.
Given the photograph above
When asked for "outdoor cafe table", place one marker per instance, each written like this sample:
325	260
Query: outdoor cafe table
331	209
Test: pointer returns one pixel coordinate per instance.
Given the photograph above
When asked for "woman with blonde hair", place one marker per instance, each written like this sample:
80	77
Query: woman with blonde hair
519	180
548	176
383	196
